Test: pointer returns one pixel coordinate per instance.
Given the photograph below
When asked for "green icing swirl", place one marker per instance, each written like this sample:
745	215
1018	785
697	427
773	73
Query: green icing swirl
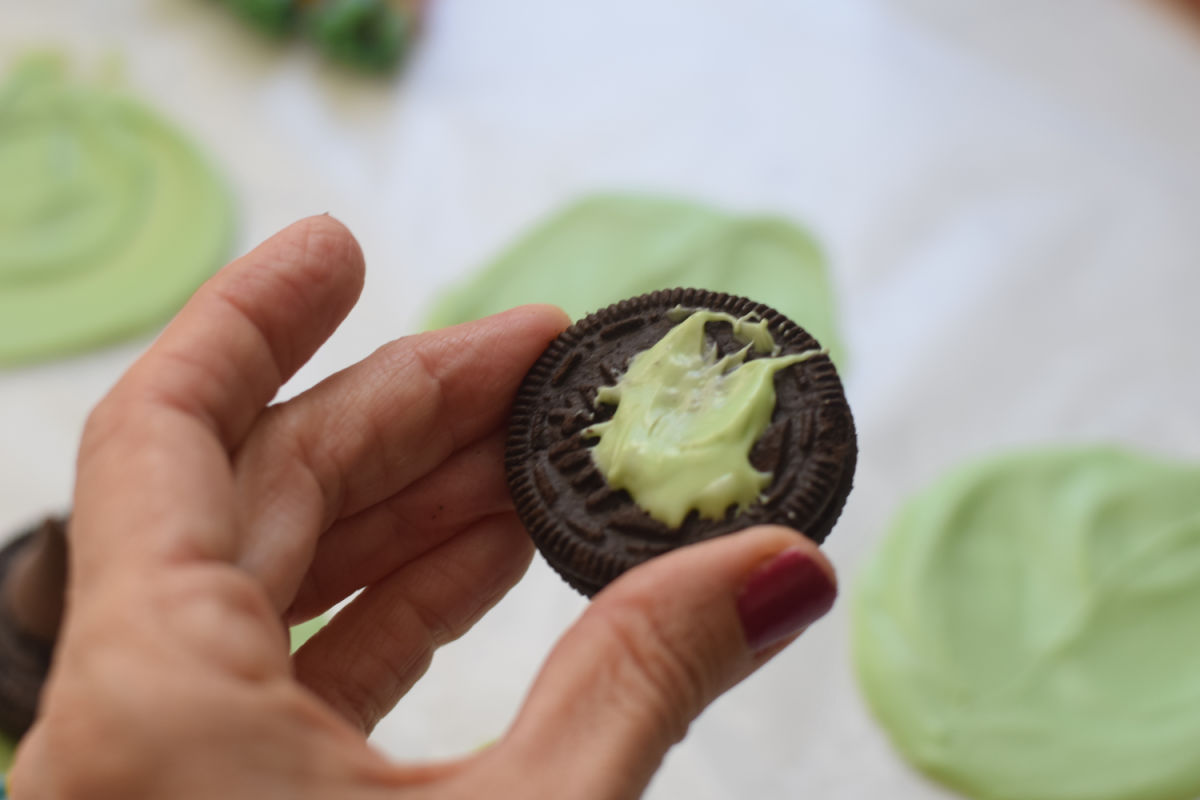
686	420
605	248
109	218
1030	628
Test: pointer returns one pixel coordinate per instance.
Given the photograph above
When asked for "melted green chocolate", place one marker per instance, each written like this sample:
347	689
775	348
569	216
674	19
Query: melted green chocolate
686	420
109	218
1030	628
609	247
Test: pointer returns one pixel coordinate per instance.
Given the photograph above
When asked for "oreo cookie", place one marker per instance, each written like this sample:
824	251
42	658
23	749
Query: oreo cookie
589	531
32	585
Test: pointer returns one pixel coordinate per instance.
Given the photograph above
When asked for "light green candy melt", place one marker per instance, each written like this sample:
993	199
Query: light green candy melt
299	634
1030	628
7	749
109	217
686	420
609	247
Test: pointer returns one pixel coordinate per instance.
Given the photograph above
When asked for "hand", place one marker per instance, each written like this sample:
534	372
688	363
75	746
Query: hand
204	518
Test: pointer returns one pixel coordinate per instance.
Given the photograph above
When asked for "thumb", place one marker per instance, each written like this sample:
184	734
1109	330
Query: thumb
655	648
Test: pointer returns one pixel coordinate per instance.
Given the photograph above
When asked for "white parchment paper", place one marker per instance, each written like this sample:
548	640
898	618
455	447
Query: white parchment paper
1008	193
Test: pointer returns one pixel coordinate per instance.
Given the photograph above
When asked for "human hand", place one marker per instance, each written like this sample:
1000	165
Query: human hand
205	517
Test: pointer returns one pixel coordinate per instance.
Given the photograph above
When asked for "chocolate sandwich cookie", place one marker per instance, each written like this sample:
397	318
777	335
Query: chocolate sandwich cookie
33	569
671	418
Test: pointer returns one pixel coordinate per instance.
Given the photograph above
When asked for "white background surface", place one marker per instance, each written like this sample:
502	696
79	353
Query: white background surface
1008	192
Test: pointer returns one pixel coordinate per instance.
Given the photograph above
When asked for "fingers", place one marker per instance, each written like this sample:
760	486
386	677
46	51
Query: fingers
655	648
251	326
376	648
362	549
165	429
375	428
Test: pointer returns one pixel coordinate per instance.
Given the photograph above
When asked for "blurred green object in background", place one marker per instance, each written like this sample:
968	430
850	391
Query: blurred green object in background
608	247
299	634
1026	630
6	755
367	34
110	216
276	17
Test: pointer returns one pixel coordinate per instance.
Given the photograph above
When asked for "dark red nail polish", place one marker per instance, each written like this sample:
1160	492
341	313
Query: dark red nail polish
784	596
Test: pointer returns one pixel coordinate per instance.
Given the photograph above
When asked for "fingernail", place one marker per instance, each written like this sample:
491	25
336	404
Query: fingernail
783	597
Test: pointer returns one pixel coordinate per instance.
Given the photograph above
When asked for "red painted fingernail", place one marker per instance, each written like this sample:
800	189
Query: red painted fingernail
784	596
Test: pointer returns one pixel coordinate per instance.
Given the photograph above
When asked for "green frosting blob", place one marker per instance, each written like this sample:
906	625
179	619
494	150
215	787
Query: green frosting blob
686	420
1030	628
609	247
109	218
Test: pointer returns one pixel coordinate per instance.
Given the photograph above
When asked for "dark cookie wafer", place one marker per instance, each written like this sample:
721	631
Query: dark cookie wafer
590	533
32	584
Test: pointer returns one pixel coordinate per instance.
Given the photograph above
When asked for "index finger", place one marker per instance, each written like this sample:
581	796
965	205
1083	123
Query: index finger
154	478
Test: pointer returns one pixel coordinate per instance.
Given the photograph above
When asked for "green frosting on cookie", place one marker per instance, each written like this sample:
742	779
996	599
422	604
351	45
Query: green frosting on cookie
686	420
1030	628
609	247
109	217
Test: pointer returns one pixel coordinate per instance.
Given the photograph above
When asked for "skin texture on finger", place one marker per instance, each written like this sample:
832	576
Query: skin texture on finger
650	653
251	326
376	648
363	548
153	474
375	428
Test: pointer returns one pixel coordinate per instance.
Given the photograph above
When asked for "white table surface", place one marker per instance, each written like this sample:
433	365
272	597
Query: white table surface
1008	193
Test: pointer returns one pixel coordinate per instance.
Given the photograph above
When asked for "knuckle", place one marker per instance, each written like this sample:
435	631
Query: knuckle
235	593
299	452
657	669
228	620
103	422
363	692
358	703
119	422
